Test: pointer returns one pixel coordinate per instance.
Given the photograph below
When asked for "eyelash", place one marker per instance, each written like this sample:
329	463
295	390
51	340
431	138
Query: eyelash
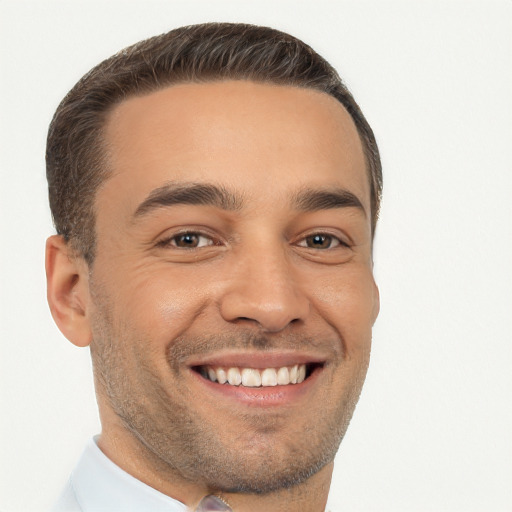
167	242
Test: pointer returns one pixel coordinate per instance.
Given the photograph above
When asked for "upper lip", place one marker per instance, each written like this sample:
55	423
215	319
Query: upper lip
257	360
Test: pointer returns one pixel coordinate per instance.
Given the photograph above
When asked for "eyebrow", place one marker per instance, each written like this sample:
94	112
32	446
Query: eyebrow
189	193
311	200
207	194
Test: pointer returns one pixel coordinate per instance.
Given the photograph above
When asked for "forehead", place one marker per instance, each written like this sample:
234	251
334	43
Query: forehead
260	139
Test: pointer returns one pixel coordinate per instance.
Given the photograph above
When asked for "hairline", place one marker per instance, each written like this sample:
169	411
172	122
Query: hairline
104	117
76	150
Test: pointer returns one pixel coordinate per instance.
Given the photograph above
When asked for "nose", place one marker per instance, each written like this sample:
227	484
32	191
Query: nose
263	288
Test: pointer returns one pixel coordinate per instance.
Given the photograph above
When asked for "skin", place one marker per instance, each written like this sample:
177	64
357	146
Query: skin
257	284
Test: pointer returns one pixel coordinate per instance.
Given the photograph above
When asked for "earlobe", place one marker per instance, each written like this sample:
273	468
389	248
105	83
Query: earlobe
68	291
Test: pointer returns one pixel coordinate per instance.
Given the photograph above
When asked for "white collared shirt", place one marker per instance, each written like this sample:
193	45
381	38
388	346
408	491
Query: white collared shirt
98	485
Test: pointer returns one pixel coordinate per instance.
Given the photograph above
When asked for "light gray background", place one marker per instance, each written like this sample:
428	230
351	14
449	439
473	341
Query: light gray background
433	428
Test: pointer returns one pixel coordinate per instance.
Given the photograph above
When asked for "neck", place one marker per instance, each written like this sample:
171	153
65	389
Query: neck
310	496
128	453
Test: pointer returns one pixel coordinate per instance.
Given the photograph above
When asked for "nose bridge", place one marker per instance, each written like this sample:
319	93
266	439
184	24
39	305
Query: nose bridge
262	287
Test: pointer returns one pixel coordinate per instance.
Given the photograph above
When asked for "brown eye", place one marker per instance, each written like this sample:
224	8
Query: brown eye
320	241
186	240
190	241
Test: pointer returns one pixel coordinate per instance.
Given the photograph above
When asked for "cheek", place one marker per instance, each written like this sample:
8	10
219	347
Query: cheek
346	299
157	304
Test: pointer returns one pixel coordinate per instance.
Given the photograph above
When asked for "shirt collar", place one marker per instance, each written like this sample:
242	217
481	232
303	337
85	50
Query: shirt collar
101	485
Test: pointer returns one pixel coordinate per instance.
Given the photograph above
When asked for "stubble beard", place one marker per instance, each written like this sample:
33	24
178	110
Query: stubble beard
179	442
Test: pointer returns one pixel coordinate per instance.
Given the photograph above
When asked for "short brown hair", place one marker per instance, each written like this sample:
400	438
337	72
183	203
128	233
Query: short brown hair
75	165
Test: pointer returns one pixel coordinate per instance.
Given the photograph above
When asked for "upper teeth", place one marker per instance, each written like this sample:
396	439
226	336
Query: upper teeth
253	378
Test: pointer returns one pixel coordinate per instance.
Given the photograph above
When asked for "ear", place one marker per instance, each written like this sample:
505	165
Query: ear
376	302
68	291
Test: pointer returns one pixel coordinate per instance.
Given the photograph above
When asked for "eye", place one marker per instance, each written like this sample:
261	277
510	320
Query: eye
321	241
188	240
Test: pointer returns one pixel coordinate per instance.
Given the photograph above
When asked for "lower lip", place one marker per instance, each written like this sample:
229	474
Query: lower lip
268	396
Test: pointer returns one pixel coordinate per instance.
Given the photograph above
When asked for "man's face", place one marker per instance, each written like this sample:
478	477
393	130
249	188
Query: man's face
233	241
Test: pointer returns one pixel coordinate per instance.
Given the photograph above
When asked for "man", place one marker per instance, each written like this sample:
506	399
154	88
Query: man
215	192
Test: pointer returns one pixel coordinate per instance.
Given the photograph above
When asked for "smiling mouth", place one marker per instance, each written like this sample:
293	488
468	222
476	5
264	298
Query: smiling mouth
258	377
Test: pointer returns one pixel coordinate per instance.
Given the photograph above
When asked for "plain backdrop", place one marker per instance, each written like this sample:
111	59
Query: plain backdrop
433	429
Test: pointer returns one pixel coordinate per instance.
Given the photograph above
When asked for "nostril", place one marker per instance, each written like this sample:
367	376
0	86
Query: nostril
272	313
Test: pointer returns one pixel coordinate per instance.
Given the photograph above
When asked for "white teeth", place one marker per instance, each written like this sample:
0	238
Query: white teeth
294	371
253	378
302	374
269	377
234	377
283	376
221	375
